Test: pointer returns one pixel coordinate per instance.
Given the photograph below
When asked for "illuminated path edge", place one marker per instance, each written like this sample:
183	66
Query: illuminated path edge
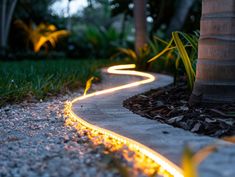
156	157
92	111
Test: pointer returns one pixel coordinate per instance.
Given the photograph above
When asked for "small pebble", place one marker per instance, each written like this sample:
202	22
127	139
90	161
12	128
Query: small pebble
36	143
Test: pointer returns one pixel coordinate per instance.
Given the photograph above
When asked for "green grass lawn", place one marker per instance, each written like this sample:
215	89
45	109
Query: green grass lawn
41	79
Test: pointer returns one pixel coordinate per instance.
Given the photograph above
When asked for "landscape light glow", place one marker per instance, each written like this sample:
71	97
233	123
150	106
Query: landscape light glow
164	167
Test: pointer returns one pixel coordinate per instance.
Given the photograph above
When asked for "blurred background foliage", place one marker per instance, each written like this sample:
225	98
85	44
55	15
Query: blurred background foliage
97	30
38	32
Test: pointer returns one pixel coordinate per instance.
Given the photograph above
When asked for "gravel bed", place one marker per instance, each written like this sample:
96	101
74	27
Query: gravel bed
34	142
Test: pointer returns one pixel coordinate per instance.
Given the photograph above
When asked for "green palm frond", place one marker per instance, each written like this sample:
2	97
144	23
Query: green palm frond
41	34
52	38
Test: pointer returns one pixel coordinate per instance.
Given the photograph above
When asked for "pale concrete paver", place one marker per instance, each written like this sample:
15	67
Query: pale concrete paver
106	111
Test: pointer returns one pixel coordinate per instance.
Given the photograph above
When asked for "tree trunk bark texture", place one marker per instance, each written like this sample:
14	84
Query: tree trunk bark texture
215	78
7	9
123	28
3	18
140	24
181	12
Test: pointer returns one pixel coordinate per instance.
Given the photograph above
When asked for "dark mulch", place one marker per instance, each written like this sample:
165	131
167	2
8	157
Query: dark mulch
170	105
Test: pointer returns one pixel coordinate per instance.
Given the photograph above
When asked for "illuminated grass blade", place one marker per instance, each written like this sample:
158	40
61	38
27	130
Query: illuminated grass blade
88	85
190	161
188	164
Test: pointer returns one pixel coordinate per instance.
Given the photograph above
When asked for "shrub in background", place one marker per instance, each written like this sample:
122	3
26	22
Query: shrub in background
93	42
156	45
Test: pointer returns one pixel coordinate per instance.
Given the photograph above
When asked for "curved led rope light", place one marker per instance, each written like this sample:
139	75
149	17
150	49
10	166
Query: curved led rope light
164	163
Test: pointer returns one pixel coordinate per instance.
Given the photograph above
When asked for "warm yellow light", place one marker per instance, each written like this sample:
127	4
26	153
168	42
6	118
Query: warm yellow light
165	167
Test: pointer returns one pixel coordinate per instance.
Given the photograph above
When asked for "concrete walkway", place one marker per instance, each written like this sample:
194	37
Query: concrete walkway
106	111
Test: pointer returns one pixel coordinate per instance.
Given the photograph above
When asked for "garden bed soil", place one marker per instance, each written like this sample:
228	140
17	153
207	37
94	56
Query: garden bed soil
170	105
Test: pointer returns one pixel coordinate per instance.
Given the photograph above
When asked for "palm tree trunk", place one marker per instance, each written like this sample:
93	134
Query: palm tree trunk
6	14
69	24
180	15
123	28
3	18
9	16
140	24
215	78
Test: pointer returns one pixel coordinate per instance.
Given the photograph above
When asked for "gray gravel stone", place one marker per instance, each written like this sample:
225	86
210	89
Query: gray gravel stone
34	142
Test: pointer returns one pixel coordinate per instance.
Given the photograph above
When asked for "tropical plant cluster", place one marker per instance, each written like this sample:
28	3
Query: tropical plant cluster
184	48
35	29
93	42
178	56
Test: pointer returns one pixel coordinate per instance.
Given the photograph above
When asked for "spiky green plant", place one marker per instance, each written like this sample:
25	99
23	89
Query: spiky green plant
184	47
140	59
41	35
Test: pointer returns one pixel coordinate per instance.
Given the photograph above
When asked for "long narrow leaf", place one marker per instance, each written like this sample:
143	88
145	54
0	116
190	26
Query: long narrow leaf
129	53
229	139
188	164
39	43
52	38
153	46
203	153
185	58
159	39
162	52
190	39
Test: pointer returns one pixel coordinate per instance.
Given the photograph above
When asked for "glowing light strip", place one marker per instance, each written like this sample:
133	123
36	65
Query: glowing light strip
156	157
